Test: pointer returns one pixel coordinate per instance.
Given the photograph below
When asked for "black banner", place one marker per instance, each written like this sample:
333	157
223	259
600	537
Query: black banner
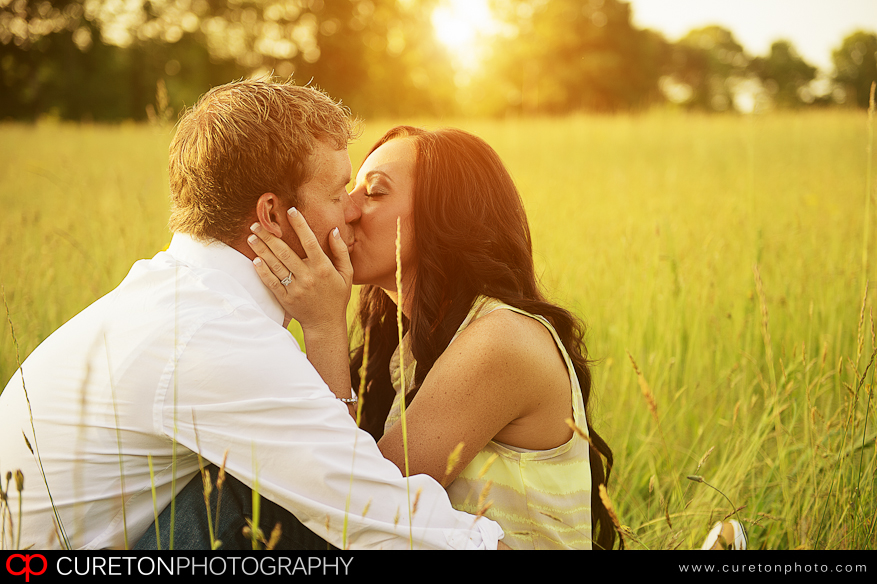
43	566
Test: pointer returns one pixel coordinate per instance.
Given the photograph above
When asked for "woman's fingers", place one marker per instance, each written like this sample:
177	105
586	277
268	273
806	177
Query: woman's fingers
273	266
342	256
269	278
276	265
321	264
308	240
313	290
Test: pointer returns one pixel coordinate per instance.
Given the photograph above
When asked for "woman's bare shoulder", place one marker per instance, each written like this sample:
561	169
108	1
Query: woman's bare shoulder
526	368
509	331
512	340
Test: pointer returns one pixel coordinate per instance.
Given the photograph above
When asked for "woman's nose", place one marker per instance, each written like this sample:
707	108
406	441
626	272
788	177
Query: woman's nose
352	210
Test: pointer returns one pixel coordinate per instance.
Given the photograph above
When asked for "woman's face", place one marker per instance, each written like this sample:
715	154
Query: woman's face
384	191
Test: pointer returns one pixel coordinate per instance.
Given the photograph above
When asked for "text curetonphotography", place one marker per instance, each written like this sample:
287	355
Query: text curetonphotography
203	566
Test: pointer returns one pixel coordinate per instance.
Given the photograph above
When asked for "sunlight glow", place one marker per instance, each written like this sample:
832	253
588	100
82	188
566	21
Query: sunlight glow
463	26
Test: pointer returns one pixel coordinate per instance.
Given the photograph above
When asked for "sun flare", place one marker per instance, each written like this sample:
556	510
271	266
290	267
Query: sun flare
462	26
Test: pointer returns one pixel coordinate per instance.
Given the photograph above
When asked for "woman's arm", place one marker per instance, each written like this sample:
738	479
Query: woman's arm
316	296
502	378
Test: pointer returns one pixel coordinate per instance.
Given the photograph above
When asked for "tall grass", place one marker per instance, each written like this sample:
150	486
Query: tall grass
402	391
724	255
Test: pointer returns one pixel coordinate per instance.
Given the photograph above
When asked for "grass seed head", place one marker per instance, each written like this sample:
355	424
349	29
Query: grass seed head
673	538
487	466
607	502
484	493
27	442
208	485
734	512
220	478
582	434
646	390
705	457
416	501
861	331
484	509
253	533
454	458
551	516
275	536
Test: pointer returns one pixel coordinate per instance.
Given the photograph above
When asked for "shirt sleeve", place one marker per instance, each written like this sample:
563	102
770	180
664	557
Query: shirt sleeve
241	385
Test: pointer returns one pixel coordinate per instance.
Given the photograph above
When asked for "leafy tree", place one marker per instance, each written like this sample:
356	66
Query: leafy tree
708	61
855	64
381	58
568	55
103	59
784	73
59	57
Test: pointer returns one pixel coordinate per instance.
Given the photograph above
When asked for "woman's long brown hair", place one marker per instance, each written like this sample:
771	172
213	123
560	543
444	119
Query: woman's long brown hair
471	238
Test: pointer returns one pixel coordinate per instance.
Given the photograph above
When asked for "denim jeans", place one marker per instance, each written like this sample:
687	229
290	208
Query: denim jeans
190	520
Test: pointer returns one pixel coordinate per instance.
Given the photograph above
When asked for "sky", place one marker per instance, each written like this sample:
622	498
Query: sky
815	27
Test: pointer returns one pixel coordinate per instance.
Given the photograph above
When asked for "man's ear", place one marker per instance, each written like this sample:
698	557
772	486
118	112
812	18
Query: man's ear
269	213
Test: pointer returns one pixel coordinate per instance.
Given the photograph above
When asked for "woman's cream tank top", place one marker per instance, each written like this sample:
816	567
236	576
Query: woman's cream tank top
541	498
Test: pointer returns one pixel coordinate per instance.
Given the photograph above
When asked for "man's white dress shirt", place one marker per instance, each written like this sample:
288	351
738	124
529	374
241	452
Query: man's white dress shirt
190	350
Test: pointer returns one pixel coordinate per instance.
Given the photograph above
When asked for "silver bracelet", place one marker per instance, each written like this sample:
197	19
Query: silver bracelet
350	400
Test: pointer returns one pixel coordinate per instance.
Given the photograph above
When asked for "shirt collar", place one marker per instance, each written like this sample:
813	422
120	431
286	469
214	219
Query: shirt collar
216	255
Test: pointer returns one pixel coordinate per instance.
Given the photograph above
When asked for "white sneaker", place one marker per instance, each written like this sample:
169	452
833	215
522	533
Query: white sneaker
725	535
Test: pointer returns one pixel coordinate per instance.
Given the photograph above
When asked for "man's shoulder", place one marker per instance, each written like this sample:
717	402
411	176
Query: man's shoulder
164	284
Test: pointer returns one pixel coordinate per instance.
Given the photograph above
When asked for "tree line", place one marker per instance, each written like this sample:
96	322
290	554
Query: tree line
121	59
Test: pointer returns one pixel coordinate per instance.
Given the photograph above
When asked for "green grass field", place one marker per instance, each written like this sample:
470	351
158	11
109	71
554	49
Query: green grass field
725	255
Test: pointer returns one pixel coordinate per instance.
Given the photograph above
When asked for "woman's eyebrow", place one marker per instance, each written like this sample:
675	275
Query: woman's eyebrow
372	173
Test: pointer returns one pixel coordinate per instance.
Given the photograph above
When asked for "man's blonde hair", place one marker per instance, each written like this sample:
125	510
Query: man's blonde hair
244	139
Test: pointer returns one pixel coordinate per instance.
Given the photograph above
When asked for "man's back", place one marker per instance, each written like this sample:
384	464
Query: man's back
190	350
96	388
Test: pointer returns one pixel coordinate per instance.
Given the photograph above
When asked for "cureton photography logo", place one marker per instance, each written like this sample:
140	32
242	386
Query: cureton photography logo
51	564
23	565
